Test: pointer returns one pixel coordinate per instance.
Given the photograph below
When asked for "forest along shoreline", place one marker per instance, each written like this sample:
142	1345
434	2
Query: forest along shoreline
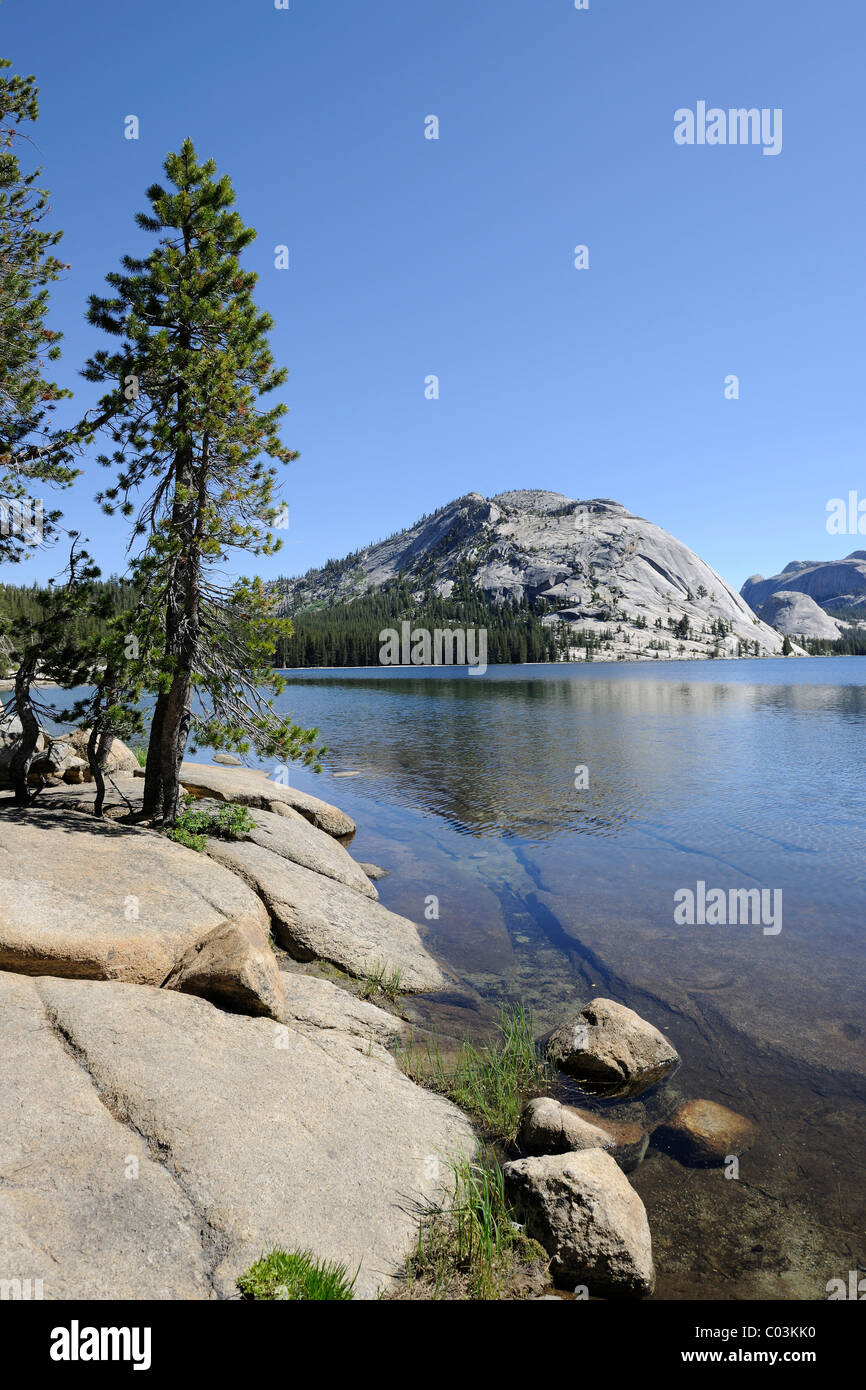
251	949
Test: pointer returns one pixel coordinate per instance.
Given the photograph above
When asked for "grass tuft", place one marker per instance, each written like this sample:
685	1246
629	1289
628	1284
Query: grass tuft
471	1248
381	980
491	1083
297	1274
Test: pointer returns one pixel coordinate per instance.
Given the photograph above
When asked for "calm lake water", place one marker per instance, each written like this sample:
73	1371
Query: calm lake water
737	775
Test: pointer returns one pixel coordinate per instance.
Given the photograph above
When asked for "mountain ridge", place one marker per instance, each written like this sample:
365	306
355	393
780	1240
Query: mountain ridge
591	566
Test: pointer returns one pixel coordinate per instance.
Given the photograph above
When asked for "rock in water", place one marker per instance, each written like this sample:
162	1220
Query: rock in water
611	1050
701	1133
583	1211
551	1128
373	871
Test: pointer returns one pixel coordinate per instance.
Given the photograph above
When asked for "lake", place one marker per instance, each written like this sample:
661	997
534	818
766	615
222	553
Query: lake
540	823
551	813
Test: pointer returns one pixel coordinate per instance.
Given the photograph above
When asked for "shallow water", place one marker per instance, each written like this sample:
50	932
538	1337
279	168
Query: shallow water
739	775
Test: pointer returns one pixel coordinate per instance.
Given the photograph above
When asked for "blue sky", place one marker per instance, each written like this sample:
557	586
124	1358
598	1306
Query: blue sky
412	257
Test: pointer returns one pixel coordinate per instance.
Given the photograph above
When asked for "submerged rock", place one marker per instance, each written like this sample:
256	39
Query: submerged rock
583	1211
701	1133
611	1050
373	871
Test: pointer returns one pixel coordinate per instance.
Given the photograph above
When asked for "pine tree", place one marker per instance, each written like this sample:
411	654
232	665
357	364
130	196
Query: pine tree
32	452
27	347
195	364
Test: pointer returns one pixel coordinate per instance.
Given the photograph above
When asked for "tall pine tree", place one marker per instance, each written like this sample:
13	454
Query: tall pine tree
27	347
195	437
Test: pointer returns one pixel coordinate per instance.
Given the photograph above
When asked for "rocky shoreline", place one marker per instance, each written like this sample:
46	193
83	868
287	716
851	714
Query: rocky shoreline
184	1090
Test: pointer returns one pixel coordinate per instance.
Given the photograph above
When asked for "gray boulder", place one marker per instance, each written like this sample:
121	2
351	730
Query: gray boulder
235	967
317	918
581	1208
116	756
611	1050
551	1128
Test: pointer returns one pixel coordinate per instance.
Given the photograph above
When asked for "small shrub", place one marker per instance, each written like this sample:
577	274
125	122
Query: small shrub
227	821
141	754
297	1274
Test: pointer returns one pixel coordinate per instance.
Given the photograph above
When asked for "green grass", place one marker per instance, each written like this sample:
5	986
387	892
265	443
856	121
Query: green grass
297	1274
381	980
491	1083
141	754
225	822
471	1248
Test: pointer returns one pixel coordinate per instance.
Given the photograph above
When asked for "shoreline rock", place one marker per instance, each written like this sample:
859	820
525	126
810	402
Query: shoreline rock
250	787
611	1051
318	918
584	1212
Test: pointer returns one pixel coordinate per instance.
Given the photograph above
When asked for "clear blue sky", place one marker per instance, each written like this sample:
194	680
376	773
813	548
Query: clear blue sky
411	257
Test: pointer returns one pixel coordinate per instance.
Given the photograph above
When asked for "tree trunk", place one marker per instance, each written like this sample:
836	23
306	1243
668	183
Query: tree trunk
95	746
153	766
174	735
25	752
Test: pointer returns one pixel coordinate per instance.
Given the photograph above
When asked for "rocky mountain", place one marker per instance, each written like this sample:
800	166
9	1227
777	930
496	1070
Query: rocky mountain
827	587
631	588
798	615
